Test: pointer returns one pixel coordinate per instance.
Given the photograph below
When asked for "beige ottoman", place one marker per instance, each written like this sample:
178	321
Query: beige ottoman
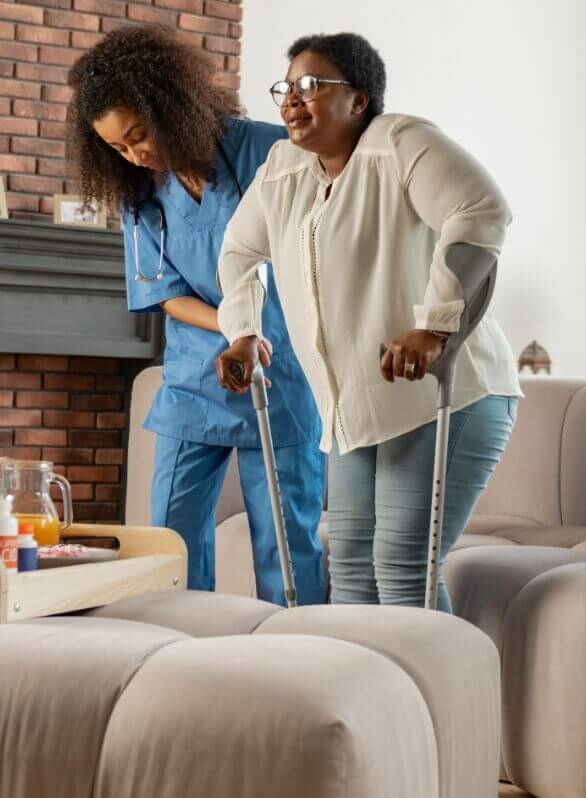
451	665
360	702
532	603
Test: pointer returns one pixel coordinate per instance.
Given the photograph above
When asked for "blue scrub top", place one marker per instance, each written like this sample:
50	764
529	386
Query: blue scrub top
191	405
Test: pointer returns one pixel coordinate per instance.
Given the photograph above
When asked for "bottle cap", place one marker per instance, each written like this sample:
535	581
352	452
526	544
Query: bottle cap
6	505
26	528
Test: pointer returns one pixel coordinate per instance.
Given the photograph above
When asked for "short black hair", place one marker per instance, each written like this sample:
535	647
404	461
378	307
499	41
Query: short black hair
356	59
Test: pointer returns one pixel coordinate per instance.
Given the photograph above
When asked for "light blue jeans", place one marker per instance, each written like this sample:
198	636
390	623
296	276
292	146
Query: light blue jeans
380	499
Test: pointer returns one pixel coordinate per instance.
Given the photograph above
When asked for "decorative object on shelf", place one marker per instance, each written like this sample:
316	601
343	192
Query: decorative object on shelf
70	209
3	205
536	358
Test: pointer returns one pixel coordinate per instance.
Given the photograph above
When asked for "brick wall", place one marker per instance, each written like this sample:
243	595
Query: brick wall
72	411
40	40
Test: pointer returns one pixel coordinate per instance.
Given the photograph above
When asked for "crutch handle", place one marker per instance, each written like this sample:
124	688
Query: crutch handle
237	370
258	386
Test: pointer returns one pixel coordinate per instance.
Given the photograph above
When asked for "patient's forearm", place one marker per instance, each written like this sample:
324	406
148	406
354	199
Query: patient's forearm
194	311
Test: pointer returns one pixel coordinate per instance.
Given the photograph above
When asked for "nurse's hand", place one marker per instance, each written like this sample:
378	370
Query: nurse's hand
265	350
410	355
247	352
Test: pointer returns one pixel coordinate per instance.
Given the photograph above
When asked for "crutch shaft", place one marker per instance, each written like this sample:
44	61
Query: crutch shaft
259	396
437	507
261	402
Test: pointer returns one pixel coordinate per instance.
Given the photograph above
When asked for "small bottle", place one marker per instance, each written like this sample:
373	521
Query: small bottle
27	547
8	536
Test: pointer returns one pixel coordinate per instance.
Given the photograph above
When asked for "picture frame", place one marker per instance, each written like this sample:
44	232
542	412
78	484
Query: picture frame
70	210
3	204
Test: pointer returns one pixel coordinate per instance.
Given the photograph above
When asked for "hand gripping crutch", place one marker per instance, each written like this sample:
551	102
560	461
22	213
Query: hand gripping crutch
260	401
475	269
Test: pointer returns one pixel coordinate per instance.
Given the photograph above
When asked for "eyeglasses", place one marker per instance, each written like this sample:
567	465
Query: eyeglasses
305	87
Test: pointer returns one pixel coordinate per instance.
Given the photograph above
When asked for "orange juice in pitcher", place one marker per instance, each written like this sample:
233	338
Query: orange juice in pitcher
46	528
26	484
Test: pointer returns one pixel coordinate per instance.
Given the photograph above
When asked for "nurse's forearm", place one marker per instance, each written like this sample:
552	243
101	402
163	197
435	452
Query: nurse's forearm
194	311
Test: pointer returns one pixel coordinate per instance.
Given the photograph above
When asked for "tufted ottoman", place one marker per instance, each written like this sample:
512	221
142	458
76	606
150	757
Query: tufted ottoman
531	601
192	694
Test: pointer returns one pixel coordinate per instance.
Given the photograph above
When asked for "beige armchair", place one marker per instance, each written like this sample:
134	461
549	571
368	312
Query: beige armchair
536	495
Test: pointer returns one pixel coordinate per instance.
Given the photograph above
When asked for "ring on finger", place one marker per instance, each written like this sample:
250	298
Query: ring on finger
410	369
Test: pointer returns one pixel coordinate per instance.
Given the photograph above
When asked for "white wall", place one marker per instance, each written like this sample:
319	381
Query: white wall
505	78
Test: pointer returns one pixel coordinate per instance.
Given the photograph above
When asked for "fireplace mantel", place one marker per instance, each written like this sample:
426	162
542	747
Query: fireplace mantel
62	291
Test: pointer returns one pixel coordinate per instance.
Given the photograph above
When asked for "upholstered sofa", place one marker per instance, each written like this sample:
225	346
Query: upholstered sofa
518	573
169	695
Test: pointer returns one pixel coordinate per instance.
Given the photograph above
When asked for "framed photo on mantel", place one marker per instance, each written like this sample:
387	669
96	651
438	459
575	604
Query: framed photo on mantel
70	209
3	205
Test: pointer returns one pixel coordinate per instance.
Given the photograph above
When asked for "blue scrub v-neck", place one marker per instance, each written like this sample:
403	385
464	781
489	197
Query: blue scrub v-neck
174	193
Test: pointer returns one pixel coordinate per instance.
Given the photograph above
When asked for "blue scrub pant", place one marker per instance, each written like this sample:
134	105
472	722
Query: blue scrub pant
187	482
379	504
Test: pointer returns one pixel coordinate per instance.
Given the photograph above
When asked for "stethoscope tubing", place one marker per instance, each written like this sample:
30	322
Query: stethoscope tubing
139	274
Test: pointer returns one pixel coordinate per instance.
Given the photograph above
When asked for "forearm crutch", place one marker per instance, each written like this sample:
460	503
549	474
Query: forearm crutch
260	401
475	269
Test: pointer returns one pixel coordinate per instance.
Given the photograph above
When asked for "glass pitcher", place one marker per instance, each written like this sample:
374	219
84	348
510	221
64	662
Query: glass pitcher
28	484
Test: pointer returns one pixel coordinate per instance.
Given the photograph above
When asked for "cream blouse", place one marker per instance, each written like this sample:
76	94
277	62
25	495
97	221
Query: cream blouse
366	265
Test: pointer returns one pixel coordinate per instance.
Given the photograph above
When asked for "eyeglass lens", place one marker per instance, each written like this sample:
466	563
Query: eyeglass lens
305	87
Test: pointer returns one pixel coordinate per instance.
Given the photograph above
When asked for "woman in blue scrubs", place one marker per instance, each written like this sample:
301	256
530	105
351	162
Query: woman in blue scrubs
152	134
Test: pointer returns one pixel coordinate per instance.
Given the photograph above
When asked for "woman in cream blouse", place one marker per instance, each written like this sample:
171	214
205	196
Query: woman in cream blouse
357	211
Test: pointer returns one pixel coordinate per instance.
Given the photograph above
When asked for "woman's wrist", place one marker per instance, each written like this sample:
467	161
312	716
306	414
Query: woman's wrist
246	340
443	336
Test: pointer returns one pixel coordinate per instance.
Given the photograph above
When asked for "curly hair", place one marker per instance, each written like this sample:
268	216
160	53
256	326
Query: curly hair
356	59
153	72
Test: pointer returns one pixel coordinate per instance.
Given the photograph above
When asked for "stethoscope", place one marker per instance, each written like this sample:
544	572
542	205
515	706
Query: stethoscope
140	276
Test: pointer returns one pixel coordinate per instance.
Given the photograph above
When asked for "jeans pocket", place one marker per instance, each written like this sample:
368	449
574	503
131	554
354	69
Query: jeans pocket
513	404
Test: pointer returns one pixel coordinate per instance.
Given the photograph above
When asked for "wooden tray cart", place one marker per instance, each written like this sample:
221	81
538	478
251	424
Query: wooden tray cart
150	559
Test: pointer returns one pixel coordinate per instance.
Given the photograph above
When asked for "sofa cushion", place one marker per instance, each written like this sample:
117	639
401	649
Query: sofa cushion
519	531
269	715
544	666
195	612
540	475
482	581
491	524
59	680
532	602
454	666
565	537
234	566
469	540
